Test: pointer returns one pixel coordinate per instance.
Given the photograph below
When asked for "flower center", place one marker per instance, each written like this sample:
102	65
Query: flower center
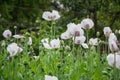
87	26
8	35
77	33
78	41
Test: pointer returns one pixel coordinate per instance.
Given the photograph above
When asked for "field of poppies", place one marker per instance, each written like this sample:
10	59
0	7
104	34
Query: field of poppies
72	55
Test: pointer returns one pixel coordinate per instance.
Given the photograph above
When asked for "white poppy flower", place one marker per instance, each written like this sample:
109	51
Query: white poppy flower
107	31
87	23
80	39
13	49
36	57
84	45
114	59
7	33
48	77
55	43
29	41
45	40
66	35
113	46
93	42
54	15
18	36
75	30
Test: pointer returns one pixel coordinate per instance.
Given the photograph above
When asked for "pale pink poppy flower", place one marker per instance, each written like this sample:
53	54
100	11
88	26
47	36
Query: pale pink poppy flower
80	39
87	23
75	30
93	41
7	33
114	59
53	44
113	37
13	49
107	31
54	15
113	46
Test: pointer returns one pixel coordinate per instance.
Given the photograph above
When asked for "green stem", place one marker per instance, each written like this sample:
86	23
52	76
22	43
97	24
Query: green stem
9	69
52	29
13	68
87	32
106	40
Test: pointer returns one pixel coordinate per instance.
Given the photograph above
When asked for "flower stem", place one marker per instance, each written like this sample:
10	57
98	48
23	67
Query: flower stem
87	32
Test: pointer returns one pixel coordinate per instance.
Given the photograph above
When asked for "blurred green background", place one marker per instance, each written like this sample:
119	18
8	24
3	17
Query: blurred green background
27	14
